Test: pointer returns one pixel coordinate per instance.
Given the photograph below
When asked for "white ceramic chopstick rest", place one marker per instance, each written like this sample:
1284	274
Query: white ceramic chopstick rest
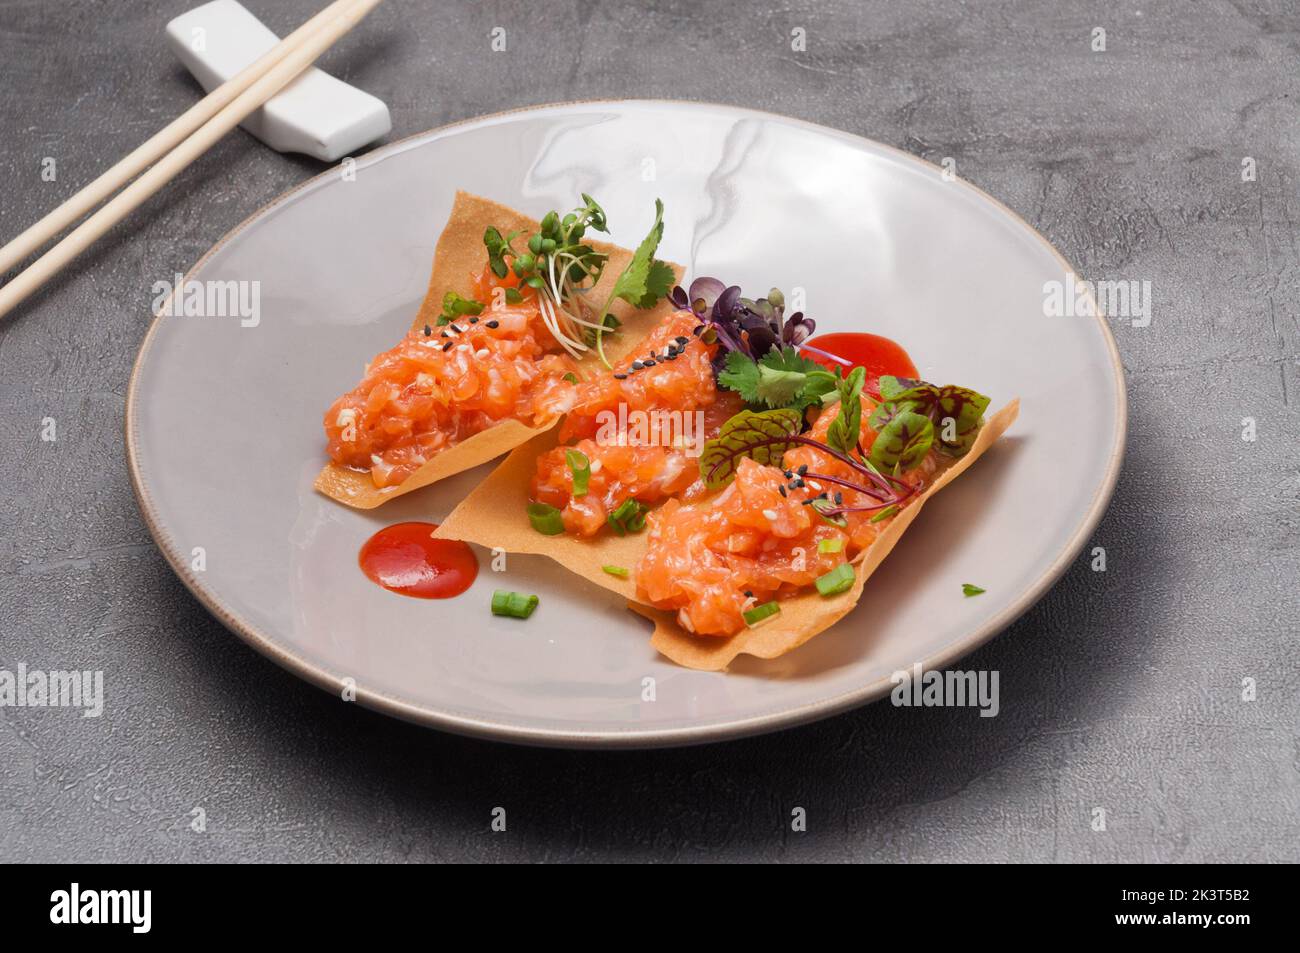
316	114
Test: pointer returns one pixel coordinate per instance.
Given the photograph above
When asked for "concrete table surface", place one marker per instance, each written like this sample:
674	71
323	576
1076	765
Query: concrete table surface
1164	691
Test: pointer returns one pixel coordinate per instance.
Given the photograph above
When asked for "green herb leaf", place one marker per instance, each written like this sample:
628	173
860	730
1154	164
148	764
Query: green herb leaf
763	436
961	414
454	306
903	443
496	248
619	571
957	413
780	378
741	375
969	590
645	280
846	428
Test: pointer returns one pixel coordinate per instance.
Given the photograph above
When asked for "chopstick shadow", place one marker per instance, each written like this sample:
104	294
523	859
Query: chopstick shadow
866	770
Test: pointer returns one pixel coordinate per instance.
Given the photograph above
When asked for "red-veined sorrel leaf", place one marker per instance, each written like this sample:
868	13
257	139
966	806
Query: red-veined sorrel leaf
763	436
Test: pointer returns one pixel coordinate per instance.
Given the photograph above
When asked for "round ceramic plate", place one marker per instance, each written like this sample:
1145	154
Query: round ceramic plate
224	417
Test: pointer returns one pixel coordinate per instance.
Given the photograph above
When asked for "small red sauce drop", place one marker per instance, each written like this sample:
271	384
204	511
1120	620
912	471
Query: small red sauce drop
406	559
877	355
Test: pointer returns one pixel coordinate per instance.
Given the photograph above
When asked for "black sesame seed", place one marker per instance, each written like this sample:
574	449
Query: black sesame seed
697	330
803	469
683	341
427	330
494	324
447	346
473	320
781	490
620	377
637	365
797	483
458	330
749	594
839	498
442	334
788	474
649	362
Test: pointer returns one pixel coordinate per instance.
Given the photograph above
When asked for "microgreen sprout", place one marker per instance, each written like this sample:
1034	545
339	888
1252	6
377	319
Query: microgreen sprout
561	268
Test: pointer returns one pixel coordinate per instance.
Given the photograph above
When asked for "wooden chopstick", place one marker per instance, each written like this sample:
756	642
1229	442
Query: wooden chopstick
188	137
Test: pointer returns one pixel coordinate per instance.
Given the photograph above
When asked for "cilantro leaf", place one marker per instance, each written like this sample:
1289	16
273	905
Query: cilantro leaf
642	283
968	590
741	375
780	378
645	280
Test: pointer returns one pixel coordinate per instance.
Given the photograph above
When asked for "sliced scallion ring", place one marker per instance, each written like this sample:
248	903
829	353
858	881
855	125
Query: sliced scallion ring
839	579
546	519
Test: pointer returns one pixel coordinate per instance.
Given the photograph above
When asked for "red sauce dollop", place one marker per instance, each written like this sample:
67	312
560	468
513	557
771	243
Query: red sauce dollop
877	355
406	559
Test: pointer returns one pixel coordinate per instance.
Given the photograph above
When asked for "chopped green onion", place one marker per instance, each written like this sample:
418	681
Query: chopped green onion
629	517
619	571
571	377
838	580
545	518
884	514
513	604
830	545
580	466
969	590
759	613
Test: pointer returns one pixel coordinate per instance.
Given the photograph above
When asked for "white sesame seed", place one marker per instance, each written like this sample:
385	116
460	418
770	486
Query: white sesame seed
595	466
769	514
481	353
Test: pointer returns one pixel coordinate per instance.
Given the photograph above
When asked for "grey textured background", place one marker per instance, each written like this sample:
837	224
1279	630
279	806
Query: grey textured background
1120	689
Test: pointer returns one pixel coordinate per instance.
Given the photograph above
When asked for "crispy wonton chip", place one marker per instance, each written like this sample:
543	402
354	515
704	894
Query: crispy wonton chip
460	254
494	515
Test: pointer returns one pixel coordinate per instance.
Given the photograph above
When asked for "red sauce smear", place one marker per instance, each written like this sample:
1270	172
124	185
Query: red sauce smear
877	355
406	559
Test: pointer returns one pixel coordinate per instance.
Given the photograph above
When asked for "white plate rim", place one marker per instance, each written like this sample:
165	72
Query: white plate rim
632	738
